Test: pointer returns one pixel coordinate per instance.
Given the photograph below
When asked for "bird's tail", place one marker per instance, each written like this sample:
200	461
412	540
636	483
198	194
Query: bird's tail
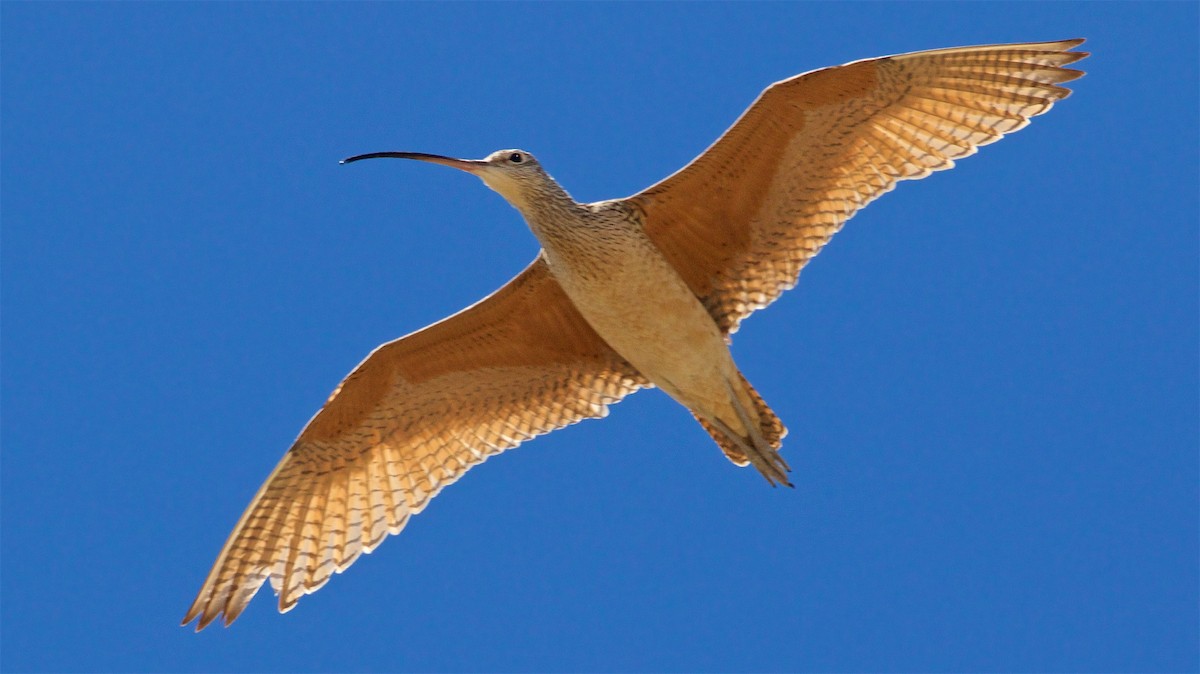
760	446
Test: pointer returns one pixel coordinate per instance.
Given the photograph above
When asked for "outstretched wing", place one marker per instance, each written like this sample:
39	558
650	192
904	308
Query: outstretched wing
744	217
409	420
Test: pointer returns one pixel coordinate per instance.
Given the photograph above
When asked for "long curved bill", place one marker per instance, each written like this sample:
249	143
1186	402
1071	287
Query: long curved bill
468	165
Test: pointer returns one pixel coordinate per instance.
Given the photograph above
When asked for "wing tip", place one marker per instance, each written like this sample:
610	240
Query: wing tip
198	609
206	610
188	617
1074	56
1053	45
206	619
207	615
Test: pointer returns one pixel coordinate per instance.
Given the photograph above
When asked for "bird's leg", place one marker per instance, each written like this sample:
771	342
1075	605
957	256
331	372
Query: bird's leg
764	454
761	455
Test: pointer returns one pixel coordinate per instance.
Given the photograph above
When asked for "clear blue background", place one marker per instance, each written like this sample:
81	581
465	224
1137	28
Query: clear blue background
990	376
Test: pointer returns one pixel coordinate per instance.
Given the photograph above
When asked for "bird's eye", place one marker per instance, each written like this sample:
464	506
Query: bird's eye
516	158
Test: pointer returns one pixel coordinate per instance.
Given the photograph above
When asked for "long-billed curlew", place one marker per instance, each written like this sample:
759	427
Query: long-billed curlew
625	294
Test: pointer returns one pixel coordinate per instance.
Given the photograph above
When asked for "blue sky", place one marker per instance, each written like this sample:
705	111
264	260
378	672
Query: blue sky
990	376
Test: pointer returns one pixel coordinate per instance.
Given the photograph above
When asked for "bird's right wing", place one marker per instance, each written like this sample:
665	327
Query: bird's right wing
744	217
409	420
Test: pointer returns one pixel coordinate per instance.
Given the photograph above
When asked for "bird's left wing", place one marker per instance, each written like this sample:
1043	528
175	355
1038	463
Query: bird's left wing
744	217
409	420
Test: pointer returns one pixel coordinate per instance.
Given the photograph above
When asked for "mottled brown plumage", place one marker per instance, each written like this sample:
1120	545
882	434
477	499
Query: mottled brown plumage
637	292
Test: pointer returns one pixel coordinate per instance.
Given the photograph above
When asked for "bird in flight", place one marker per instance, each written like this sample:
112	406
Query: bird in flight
625	294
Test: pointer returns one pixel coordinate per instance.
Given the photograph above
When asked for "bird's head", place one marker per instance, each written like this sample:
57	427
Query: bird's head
515	174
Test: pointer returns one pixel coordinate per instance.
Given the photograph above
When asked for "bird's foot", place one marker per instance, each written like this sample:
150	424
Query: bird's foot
770	463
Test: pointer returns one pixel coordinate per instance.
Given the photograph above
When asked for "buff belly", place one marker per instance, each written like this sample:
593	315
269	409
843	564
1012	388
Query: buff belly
642	308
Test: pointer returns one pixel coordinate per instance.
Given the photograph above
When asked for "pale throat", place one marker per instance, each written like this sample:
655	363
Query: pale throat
546	207
511	190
